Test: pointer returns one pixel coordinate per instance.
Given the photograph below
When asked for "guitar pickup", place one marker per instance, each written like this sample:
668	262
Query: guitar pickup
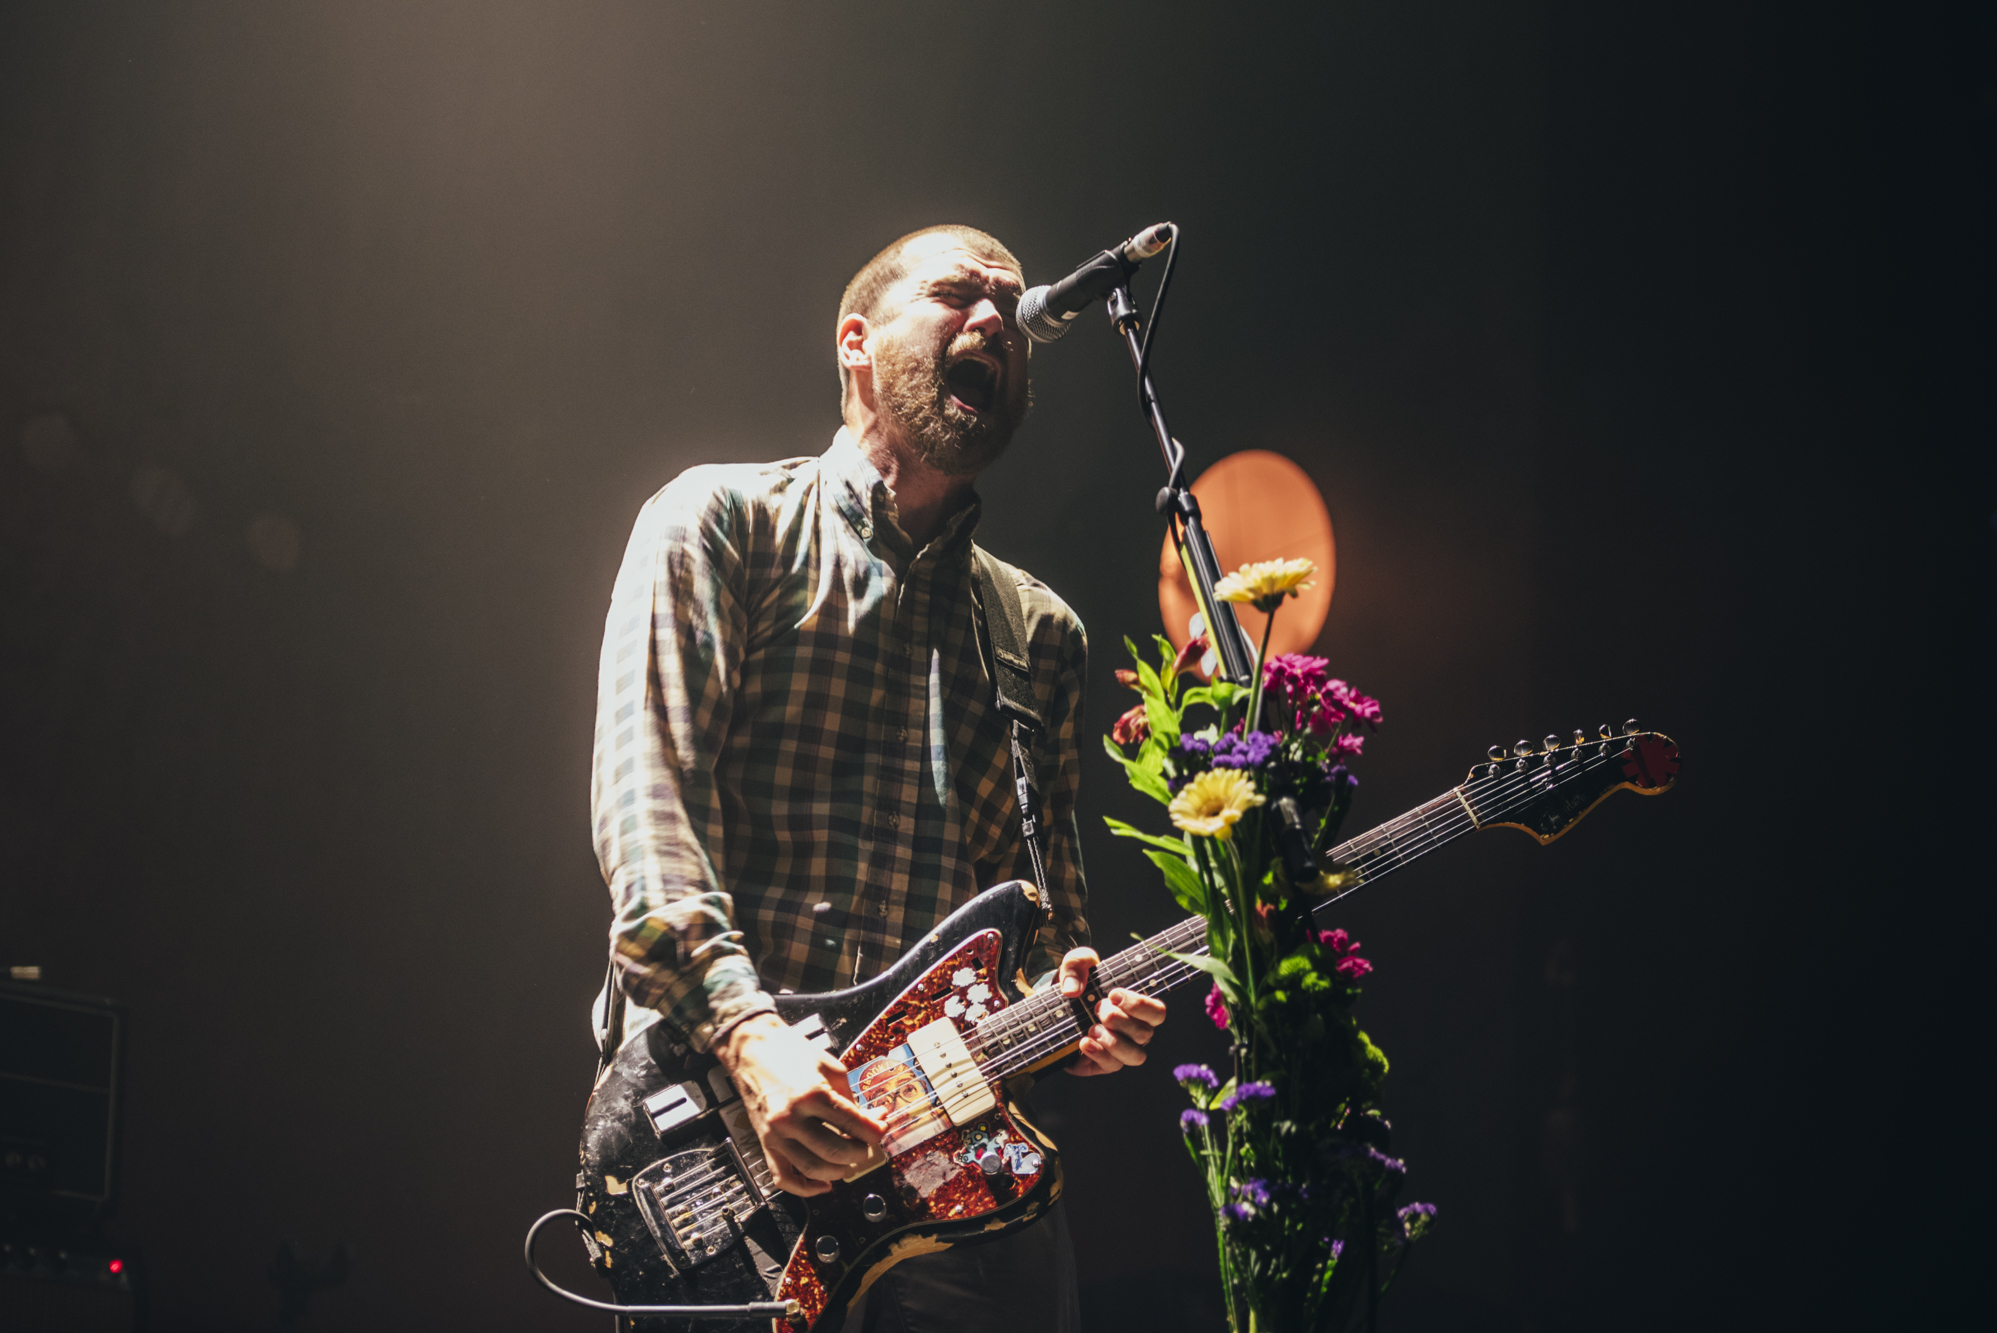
675	1105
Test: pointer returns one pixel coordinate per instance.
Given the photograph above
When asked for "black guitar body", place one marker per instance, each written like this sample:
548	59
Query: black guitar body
682	1207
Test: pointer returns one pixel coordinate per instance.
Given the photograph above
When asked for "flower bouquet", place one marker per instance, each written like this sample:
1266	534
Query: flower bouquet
1292	1148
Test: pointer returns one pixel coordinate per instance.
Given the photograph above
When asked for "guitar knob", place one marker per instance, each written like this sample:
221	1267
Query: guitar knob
990	1162
1629	727
827	1249
1552	743
874	1207
1496	752
1522	749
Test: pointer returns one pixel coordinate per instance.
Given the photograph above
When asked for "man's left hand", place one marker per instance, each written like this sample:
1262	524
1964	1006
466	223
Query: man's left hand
1125	1019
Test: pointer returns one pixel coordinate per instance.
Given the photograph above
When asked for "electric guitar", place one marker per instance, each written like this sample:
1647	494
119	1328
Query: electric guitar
682	1206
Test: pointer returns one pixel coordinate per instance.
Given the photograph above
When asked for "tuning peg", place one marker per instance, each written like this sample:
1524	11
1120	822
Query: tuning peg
1629	727
1522	749
1496	752
1580	738
1608	732
1552	743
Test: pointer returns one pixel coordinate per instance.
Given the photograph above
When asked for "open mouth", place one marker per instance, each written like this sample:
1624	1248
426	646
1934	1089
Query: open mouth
973	382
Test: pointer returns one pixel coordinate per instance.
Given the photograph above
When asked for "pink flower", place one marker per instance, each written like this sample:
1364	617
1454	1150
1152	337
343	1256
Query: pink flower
1294	674
1217	1008
1363	707
1131	728
1189	656
1324	718
1351	743
1346	949
1125	676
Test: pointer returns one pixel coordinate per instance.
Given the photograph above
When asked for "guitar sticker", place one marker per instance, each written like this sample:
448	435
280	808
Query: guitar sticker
894	1088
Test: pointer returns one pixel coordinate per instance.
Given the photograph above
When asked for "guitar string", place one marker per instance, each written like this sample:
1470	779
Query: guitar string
1417	834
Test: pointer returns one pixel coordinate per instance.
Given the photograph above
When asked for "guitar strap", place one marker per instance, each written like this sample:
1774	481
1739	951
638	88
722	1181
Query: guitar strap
1004	626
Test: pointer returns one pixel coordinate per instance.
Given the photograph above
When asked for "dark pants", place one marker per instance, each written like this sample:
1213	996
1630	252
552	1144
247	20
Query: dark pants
1021	1283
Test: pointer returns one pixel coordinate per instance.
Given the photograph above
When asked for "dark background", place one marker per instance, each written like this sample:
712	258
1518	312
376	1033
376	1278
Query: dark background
339	345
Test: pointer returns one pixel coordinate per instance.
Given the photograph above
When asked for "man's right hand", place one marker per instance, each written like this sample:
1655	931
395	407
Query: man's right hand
796	1094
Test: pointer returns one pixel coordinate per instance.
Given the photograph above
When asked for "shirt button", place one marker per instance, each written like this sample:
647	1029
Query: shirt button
884	909
901	733
894	821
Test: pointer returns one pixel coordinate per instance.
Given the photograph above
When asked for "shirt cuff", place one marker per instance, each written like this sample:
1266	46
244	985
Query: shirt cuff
733	993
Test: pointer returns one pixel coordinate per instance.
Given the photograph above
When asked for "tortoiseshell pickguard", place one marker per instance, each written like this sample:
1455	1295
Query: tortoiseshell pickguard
937	1181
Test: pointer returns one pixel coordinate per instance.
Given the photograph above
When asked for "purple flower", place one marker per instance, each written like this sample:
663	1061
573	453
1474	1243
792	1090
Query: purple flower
1246	1093
1196	747
1195	1074
1250	751
1236	1212
1337	1247
1415	1220
1254	1191
1217	1008
1366	1153
1192	1120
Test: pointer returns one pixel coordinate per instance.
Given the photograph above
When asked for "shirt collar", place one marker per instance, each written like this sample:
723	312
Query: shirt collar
864	500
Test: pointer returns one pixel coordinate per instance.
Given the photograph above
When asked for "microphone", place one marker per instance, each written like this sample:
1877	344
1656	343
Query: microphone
1047	312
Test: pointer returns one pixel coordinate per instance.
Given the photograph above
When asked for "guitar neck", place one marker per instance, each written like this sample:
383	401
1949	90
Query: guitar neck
1043	1028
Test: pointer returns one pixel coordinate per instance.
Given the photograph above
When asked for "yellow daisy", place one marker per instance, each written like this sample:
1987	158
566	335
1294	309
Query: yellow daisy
1211	802
1266	583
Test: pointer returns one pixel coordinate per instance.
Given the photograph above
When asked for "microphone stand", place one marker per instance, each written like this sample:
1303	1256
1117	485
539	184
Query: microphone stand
1176	501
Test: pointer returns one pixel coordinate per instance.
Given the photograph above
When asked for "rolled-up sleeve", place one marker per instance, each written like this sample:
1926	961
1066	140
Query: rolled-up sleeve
672	658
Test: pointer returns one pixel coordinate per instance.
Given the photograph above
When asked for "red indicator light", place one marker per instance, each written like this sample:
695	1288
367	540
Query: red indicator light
117	1265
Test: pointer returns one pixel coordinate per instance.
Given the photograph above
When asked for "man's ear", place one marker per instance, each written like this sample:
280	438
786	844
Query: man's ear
855	344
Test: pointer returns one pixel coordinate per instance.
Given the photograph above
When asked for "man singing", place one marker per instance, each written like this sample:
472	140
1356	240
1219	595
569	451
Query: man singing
800	767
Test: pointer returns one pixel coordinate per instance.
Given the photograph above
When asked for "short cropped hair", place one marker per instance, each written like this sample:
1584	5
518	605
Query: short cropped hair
870	286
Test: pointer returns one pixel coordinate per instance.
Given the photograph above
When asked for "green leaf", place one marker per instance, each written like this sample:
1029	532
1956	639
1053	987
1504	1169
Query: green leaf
1144	772
1213	967
1185	885
1123	830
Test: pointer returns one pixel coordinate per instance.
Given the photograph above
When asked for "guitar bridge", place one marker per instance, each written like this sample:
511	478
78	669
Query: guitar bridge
695	1203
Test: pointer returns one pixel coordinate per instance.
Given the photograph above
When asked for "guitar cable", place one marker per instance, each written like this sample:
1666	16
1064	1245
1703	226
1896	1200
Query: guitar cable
753	1310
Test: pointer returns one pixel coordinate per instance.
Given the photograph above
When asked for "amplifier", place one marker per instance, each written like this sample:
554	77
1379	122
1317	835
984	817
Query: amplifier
58	1102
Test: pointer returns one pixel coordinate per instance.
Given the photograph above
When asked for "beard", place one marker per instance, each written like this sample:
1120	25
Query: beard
913	392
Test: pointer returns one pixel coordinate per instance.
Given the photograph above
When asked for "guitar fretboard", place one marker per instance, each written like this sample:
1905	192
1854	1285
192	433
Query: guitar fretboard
1044	1024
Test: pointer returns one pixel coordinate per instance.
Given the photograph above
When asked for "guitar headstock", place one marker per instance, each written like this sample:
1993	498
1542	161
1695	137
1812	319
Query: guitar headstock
1546	790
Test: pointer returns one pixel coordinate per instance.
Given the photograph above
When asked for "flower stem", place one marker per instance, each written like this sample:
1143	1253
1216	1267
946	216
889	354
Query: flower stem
1254	720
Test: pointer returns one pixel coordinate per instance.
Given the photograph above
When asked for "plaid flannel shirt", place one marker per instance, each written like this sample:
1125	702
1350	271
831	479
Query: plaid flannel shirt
799	764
